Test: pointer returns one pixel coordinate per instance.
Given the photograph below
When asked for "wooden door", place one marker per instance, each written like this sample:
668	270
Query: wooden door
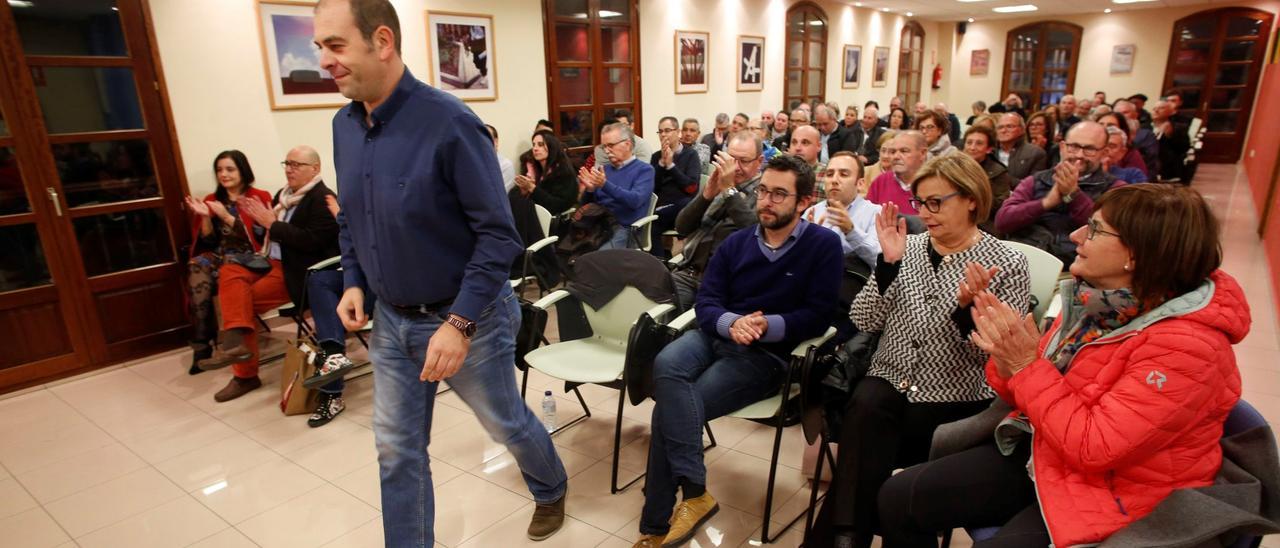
1040	62
91	192
806	55
1214	63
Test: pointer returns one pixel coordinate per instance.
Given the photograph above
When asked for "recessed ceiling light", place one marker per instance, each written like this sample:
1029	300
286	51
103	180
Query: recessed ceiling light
884	9
909	14
1108	10
1130	1
1015	9
857	4
970	19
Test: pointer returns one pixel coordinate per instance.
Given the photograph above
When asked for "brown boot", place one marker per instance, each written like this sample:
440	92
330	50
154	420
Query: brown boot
236	388
648	541
547	518
232	350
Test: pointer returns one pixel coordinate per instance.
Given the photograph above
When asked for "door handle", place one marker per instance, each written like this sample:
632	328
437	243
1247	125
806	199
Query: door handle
53	197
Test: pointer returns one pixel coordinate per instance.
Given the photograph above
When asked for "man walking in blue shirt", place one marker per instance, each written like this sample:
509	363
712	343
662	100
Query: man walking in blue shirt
425	225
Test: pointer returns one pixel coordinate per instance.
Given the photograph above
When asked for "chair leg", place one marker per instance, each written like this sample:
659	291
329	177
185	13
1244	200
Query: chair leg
824	453
711	435
586	414
617	446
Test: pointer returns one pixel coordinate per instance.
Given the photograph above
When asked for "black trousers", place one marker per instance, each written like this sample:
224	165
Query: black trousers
882	431
974	488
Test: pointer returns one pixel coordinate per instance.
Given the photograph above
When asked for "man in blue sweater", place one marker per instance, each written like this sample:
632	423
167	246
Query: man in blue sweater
624	187
766	289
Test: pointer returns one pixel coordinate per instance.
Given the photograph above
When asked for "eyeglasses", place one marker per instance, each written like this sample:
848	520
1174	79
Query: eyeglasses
929	127
1095	228
757	128
774	196
1088	150
666	130
934	205
742	161
613	144
290	164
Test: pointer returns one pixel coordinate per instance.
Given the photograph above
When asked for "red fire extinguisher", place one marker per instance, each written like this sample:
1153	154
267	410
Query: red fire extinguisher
937	76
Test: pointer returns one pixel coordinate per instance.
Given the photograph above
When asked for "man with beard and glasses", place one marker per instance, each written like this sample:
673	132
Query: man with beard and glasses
1046	207
766	289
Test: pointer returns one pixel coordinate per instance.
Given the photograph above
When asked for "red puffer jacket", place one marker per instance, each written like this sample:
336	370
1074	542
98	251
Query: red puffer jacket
1137	414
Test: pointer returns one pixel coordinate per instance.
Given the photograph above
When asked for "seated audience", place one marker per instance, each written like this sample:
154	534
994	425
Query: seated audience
894	104
926	371
597	156
508	169
1117	148
544	125
799	117
1142	138
866	137
689	132
548	179
936	130
920	108
1099	98
766	119
1040	133
1173	141
845	212
718	136
1046	207
1084	109
1013	104
953	122
760	130
806	142
1139	101
1132	157
726	203
979	109
1179	118
642	147
851	117
739	123
832	135
1122	402
1067	116
1053	114
676	171
1021	157
898	120
623	187
908	152
781	125
884	153
988	120
218	233
747	326
979	143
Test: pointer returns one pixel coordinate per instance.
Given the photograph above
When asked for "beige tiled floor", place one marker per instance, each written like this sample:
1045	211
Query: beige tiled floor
141	455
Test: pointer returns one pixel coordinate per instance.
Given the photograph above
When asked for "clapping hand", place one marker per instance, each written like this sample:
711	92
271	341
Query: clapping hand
331	202
1010	338
260	214
892	233
723	168
198	207
590	179
217	209
838	216
667	153
525	184
749	328
1066	178
977	279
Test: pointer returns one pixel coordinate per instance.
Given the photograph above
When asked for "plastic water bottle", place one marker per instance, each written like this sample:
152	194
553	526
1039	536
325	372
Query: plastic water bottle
548	411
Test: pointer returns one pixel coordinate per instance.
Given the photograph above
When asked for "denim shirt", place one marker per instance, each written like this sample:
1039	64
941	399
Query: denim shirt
424	217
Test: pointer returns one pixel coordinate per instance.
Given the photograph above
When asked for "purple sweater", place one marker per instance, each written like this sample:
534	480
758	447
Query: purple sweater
885	189
1023	206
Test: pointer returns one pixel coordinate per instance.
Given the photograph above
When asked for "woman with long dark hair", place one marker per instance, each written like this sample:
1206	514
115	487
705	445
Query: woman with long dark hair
218	229
898	119
549	181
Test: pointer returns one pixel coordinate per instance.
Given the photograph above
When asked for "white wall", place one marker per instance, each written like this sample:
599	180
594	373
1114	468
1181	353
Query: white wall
726	19
212	60
1150	30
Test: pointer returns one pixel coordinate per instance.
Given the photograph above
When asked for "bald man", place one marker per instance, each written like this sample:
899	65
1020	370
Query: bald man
1046	207
909	150
302	231
953	120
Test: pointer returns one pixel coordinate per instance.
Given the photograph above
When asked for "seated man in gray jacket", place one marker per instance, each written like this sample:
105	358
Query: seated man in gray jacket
726	203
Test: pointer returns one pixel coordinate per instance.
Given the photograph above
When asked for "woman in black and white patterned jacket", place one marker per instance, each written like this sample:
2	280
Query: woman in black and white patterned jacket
926	371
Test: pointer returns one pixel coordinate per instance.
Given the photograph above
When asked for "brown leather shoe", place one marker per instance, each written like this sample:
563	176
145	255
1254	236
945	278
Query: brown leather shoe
236	388
688	517
222	358
547	518
648	541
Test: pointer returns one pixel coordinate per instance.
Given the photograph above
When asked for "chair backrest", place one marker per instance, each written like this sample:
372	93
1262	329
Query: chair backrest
544	219
1044	269
1243	417
1193	129
644	237
612	322
702	181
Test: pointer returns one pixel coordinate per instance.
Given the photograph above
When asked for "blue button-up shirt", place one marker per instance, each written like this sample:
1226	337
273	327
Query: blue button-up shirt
424	217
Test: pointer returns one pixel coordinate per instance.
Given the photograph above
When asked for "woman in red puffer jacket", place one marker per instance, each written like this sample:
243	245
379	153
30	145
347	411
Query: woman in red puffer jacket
1118	405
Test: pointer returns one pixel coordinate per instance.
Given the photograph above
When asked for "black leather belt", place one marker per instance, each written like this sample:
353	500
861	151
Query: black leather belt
430	309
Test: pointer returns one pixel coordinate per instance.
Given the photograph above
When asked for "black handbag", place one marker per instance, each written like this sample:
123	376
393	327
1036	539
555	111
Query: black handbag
252	262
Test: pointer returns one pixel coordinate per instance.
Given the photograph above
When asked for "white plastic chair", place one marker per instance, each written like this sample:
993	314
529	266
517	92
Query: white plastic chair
544	220
641	231
1044	270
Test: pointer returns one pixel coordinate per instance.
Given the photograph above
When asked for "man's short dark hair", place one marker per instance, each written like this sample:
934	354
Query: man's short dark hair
623	113
856	160
795	165
871	104
1138	97
606	122
743	116
671	119
371	14
543	122
493	132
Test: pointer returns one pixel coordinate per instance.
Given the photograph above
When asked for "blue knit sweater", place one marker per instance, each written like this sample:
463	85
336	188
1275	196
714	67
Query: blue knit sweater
797	291
626	192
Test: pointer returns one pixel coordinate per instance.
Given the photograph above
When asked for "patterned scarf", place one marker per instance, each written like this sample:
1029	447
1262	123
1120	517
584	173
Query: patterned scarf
1104	311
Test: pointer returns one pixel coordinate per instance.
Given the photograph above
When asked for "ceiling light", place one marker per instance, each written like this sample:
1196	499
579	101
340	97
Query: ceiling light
1015	9
1130	1
970	19
909	14
1108	10
884	9
21	3
857	4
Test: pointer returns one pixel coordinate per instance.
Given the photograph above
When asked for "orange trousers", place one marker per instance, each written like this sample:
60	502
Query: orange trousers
243	295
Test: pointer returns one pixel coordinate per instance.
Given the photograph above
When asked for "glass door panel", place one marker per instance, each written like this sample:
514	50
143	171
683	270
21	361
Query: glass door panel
87	28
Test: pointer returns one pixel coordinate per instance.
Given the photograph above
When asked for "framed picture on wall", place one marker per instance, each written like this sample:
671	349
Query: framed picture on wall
852	66
979	62
460	55
880	67
750	63
290	60
692	49
1122	58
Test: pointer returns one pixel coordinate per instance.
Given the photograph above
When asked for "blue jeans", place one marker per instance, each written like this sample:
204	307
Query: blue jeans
621	238
402	409
324	290
697	378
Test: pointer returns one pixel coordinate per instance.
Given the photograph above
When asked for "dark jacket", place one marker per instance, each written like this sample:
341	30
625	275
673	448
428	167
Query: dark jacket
680	181
308	237
710	140
783	142
954	130
556	191
1001	186
868	147
1026	159
840	140
704	224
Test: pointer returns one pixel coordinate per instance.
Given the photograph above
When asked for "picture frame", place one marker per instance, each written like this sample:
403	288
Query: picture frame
979	62
692	61
880	67
290	61
1122	58
750	62
461	58
851	67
